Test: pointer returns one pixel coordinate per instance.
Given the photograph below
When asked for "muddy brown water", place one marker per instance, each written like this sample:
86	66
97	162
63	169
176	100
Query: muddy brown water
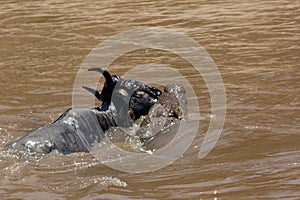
256	46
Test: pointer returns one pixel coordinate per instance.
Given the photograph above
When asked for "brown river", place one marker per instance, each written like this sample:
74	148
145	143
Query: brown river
256	47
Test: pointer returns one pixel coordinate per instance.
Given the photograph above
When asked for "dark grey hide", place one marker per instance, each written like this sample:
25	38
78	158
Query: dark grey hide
123	102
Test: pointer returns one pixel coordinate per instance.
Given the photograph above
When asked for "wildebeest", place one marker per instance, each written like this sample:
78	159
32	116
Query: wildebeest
123	103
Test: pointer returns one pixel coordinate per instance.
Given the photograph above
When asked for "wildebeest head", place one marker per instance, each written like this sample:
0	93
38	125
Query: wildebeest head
128	97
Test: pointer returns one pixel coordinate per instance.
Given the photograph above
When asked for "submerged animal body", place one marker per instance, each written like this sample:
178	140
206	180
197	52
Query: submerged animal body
123	103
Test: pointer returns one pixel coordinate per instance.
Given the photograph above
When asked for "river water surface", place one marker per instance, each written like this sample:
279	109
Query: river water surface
256	46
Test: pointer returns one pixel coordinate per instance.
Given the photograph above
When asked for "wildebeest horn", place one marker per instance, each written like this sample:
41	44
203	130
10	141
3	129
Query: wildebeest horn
94	92
106	75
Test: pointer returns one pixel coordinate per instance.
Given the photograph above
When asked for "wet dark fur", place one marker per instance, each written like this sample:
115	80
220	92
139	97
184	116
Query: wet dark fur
123	102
